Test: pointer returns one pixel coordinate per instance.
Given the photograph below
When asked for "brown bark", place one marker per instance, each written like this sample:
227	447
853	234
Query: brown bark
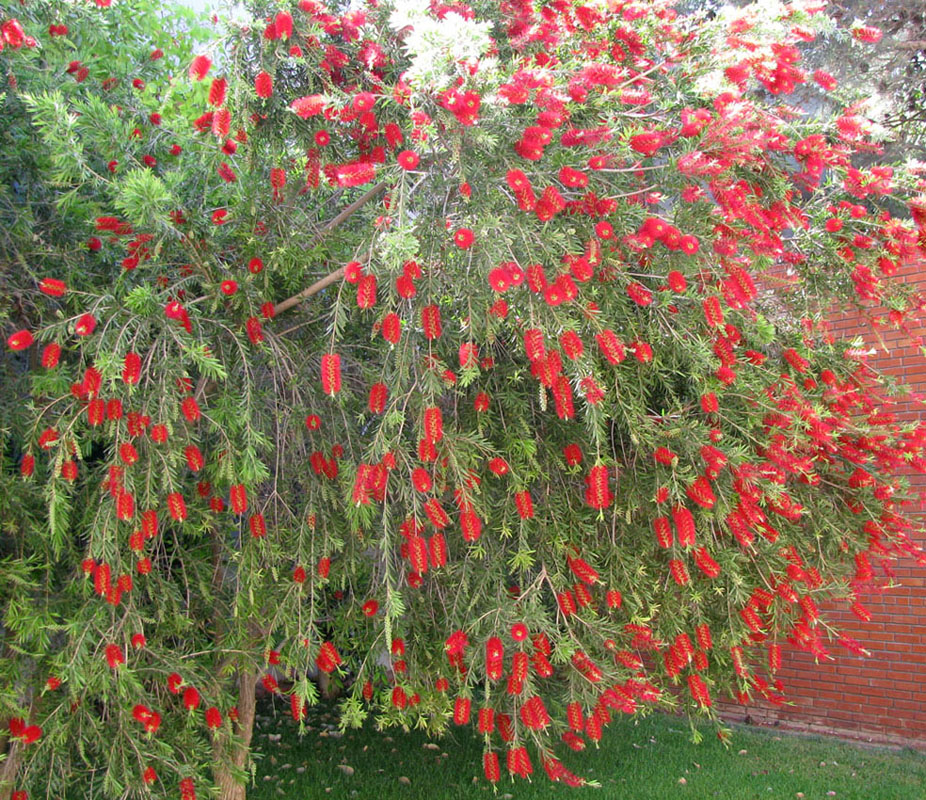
8	770
289	302
231	754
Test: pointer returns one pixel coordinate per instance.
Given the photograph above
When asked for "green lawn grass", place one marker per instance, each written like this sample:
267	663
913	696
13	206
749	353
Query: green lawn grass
650	759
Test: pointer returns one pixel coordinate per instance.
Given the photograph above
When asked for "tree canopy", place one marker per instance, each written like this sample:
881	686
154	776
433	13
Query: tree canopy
473	358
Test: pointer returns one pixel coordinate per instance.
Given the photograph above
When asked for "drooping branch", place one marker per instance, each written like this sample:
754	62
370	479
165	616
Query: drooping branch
316	287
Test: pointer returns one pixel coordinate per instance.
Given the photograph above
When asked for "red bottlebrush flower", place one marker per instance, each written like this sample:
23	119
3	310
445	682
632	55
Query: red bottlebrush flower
328	658
677	282
370	607
490	766
324	567
584	571
701	492
30	734
597	493
464	238
53	287
194	458
709	404
470	525
665	456
114	656
187	789
495	657
642	351
566	602
217	92
468	355
713	314
255	265
572	453
228	288
481	402
131	370
27	467
611	346
299	575
431	322
499	466
699	691
377	400
258	526
640	294
149	524
53	683
191	698
684	525
331	373
706	563
355	174
366	291
613	598
20	340
238	498
825	80
436	514
437	550
313	422
421	479
176	506
51	355
254	330
47	438
433	424
174	682
125	502
796	360
408	159
159	433
263	84
199	68
138	639
524	505
308	106
391	328
213	718
867	33
190	409
572	345
679	572
663	531
461	710
96	410
486	724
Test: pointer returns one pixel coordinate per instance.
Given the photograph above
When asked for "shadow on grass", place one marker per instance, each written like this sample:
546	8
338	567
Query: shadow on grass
649	759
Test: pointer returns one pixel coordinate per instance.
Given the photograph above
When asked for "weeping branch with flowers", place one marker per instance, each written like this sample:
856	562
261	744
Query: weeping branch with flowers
569	436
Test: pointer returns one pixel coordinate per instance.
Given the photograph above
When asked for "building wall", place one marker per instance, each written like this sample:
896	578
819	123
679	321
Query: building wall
881	698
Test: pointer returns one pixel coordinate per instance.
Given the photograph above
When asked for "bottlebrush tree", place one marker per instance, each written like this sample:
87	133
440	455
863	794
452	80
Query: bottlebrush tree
475	357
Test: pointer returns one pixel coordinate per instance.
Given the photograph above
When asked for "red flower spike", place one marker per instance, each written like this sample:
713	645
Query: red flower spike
597	493
263	85
199	68
431	322
331	373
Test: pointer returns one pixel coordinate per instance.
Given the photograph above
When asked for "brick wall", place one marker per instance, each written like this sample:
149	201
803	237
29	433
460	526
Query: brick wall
880	698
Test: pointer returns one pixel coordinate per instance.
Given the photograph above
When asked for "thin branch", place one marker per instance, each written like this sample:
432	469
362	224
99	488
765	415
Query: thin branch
316	287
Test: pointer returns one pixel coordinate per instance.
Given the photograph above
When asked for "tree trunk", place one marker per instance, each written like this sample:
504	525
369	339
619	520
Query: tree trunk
9	768
231	754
